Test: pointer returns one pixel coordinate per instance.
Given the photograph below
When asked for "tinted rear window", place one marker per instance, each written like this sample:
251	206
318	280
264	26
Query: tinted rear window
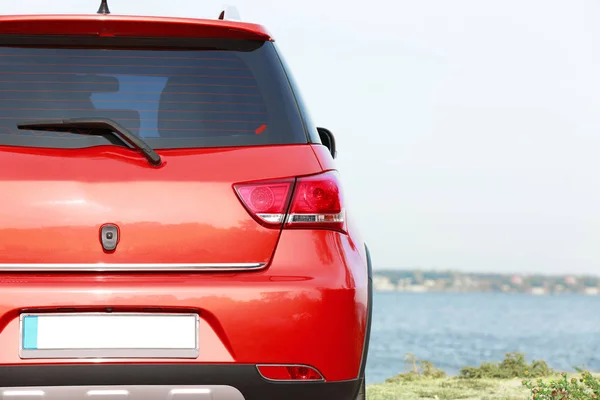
236	96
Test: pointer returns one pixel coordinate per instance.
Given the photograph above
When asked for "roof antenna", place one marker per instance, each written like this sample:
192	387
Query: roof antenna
230	13
104	7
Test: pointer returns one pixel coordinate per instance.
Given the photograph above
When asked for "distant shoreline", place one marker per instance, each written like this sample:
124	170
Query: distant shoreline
478	292
415	281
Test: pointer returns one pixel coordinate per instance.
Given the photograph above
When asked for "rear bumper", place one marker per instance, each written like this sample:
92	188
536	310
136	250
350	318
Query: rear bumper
160	382
308	307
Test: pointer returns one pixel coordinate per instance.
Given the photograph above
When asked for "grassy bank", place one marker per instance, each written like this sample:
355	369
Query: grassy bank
450	389
511	379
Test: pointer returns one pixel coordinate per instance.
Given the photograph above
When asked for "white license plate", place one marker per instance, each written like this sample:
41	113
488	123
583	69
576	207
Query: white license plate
109	335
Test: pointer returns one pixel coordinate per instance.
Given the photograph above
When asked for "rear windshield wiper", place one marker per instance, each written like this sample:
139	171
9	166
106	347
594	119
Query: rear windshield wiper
98	126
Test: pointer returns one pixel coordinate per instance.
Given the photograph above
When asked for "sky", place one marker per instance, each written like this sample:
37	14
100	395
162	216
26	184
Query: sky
468	131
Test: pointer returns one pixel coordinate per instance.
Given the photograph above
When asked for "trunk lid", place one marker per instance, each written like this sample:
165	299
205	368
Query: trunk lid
216	105
54	203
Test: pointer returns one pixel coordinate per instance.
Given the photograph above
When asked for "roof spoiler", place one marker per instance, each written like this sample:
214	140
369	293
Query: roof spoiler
130	26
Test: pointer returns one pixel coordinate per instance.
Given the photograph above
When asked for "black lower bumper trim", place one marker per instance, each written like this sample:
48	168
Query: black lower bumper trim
243	377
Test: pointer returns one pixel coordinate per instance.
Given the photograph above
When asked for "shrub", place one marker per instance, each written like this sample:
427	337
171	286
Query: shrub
584	388
417	369
513	366
428	370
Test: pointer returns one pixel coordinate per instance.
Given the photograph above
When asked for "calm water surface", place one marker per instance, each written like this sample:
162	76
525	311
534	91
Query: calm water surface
453	330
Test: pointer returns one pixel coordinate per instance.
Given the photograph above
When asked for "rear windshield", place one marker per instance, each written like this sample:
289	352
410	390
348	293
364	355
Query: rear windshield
231	94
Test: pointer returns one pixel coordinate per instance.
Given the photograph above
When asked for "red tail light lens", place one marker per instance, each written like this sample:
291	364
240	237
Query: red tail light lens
266	201
289	373
317	203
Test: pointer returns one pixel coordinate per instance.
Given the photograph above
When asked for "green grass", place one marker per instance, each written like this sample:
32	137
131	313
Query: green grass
490	381
449	389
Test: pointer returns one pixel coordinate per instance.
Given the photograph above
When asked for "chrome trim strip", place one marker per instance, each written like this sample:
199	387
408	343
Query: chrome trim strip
101	267
272	218
340	217
109	353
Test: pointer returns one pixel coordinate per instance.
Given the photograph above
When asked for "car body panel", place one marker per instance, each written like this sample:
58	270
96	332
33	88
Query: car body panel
129	26
326	161
308	307
308	304
55	201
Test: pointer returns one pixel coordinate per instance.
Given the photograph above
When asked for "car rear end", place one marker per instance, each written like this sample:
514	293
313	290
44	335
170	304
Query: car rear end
232	271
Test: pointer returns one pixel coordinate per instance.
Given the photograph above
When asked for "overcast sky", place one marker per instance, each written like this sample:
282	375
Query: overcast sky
468	130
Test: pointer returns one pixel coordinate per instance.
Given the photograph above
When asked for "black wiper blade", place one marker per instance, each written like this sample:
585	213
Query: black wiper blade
101	126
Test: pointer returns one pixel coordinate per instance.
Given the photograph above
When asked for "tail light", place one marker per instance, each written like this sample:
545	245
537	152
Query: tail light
316	202
289	373
266	201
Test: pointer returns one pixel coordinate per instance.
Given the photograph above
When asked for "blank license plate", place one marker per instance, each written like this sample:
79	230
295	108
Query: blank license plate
109	336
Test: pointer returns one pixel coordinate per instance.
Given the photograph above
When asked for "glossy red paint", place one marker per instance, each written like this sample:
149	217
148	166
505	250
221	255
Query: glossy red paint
324	156
308	306
55	201
129	26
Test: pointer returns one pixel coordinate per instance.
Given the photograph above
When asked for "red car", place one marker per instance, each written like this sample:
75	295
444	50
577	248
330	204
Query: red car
172	225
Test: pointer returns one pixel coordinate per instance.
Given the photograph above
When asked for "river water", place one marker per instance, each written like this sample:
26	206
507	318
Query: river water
453	330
